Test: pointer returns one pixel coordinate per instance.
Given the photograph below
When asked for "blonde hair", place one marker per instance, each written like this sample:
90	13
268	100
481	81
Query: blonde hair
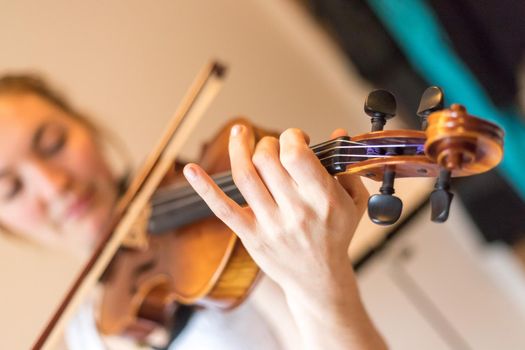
34	84
29	83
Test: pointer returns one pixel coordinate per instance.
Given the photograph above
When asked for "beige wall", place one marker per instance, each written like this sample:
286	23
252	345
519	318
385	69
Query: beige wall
129	62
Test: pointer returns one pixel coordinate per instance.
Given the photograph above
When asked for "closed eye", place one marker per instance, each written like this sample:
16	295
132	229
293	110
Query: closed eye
49	139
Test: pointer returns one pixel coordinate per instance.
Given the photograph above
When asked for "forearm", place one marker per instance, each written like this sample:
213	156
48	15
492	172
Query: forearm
332	316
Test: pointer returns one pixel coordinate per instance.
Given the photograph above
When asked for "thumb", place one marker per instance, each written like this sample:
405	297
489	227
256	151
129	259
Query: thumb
354	186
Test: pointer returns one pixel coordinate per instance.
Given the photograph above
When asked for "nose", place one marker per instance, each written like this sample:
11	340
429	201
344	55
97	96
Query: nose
48	179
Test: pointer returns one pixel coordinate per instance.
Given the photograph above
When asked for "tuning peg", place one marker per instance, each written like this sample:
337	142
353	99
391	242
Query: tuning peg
432	100
441	197
380	105
385	208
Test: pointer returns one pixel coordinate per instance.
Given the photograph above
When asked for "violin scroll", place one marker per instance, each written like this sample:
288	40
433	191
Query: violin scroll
461	145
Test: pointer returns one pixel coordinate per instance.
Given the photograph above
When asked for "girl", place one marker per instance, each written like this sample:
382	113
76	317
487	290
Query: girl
56	188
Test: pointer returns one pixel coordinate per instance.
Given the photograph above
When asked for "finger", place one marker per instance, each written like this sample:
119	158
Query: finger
274	175
338	133
354	186
245	174
305	136
226	209
302	164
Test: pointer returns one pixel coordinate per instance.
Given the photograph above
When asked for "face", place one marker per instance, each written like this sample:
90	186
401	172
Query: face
55	186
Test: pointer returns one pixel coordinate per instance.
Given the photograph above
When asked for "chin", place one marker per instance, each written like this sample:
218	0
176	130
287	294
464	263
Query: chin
99	224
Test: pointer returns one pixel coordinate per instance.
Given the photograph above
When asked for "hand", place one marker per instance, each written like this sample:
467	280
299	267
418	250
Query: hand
300	220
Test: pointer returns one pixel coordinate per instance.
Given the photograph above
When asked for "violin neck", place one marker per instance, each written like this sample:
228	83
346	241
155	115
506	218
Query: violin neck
178	205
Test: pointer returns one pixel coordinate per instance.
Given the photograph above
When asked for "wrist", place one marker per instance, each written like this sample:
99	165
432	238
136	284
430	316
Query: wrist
328	281
334	308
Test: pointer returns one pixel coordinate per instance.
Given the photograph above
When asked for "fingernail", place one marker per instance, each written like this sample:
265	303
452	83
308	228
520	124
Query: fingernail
236	129
190	172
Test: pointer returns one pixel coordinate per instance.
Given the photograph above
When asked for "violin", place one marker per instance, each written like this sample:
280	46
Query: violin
190	258
193	258
176	252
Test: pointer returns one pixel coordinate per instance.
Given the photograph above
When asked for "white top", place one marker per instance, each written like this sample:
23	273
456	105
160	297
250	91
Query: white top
251	326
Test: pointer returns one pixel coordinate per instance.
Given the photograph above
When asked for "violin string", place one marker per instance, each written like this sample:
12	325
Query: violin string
323	144
168	193
370	146
178	196
174	208
356	156
192	197
186	194
179	190
185	191
180	203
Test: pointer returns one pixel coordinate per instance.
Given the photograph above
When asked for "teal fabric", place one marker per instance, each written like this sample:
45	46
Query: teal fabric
418	32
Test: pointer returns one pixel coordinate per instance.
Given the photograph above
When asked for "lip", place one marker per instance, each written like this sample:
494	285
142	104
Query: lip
80	205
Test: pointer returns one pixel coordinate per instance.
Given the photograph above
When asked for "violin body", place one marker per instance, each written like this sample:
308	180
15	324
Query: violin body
202	263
